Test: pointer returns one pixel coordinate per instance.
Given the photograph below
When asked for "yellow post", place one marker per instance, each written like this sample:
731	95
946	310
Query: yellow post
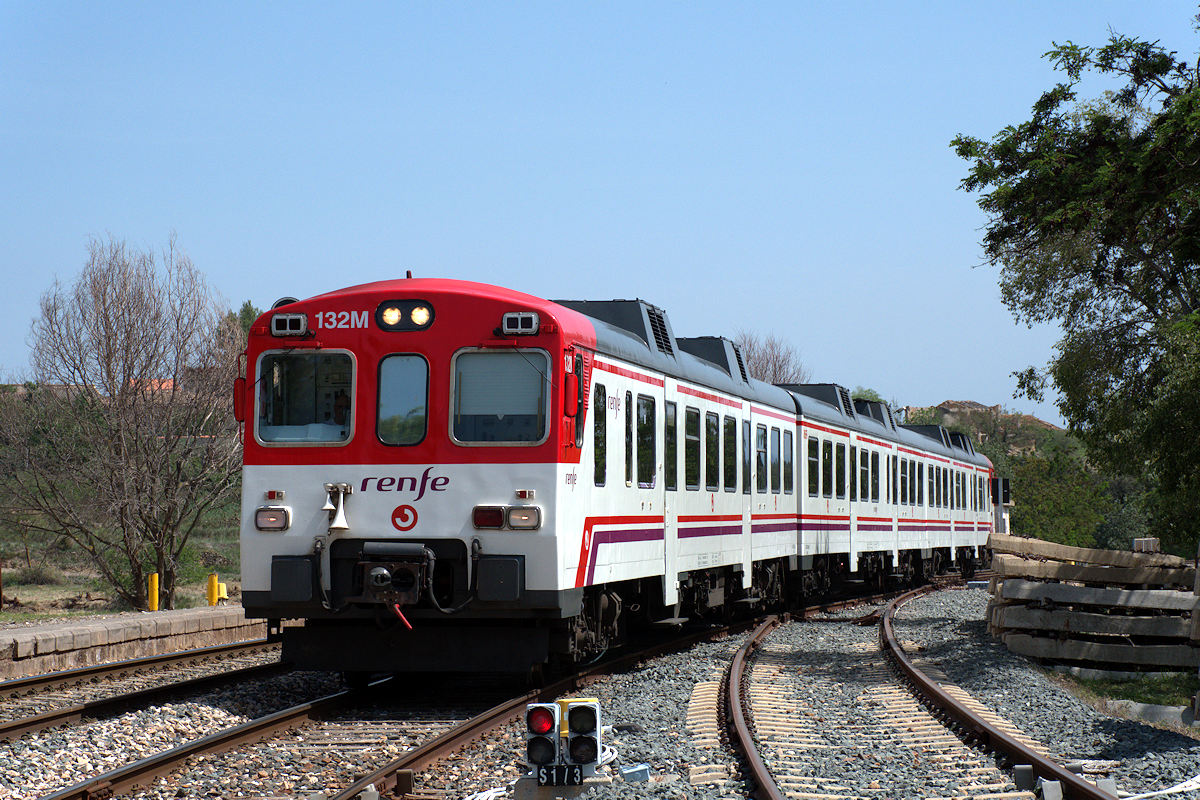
212	588
153	595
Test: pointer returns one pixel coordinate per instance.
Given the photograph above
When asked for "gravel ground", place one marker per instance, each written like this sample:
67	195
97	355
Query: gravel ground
649	709
43	762
950	626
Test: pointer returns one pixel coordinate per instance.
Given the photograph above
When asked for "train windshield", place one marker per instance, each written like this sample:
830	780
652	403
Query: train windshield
403	385
305	397
501	396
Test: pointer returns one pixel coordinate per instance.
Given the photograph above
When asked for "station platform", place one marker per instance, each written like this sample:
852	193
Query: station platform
33	649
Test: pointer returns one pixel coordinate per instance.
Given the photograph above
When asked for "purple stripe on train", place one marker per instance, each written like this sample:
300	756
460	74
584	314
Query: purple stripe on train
613	537
717	530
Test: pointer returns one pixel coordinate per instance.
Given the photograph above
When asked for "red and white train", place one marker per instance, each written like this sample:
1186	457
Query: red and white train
443	475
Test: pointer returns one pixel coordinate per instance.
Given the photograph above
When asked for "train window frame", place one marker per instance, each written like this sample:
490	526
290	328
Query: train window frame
599	434
864	474
814	467
712	451
379	400
647	457
670	446
545	397
840	471
874	476
904	481
259	399
760	458
853	473
776	462
789	467
921	484
730	454
691	452
747	457
895	481
629	438
826	468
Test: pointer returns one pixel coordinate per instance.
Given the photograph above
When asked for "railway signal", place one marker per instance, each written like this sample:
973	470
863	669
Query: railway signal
541	735
562	740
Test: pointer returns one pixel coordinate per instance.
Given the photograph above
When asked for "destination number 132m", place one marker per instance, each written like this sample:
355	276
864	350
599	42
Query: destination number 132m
341	319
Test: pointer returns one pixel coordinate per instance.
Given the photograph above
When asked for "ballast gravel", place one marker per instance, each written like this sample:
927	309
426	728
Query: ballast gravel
43	762
950	629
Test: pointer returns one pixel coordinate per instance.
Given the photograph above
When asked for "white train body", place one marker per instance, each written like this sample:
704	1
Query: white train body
496	481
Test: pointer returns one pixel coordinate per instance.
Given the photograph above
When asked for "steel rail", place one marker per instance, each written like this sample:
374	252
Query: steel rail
141	773
54	680
397	776
740	727
111	706
973	726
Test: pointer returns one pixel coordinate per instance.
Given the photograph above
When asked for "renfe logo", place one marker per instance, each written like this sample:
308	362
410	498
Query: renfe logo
407	483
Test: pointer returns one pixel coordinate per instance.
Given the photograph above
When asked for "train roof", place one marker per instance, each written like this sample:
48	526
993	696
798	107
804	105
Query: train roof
641	333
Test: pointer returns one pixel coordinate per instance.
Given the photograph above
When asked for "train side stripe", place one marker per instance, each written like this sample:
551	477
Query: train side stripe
586	567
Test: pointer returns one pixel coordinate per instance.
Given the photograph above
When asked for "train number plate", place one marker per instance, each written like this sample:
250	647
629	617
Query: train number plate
560	775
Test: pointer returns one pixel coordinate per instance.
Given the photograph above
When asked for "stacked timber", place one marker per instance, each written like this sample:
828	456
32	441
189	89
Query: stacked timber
1108	609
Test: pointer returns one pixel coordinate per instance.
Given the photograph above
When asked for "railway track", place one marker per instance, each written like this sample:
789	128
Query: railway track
339	746
912	735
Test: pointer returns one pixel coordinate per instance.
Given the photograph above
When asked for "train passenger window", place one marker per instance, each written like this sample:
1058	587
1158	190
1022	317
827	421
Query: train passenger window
760	435
600	433
307	398
853	473
629	438
932	491
691	448
712	452
814	467
920	484
864	474
874	477
840	468
501	397
745	456
826	468
904	481
403	384
646	460
895	480
776	467
731	454
789	452
671	445
945	488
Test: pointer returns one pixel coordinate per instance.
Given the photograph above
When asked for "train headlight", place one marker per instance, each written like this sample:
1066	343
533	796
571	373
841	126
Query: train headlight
404	315
583	733
272	518
541	734
524	518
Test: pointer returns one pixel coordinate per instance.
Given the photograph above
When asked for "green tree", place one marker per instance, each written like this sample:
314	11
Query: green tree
1094	221
1057	498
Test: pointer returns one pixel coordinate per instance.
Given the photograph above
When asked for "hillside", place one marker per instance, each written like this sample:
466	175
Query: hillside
1016	433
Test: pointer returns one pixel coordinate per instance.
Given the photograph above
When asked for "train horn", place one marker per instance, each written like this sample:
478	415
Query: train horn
329	506
339	521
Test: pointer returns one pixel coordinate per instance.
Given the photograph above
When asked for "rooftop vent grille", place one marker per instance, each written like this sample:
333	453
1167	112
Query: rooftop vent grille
737	352
891	419
847	403
658	325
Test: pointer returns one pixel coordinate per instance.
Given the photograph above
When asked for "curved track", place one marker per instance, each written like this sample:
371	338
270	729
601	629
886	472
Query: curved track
953	718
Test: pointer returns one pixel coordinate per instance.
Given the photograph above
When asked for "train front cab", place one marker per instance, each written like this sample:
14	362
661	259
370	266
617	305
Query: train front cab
393	497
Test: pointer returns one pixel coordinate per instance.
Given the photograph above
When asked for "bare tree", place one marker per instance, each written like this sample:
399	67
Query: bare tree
125	437
771	359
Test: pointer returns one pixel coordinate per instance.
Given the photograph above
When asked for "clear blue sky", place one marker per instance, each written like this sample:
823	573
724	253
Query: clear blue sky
778	167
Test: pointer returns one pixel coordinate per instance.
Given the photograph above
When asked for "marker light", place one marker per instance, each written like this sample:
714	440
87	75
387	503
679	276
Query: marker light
271	518
524	518
421	316
488	517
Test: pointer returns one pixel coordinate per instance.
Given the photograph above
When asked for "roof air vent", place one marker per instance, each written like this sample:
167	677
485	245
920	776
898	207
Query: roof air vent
891	419
658	325
847	403
737	352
